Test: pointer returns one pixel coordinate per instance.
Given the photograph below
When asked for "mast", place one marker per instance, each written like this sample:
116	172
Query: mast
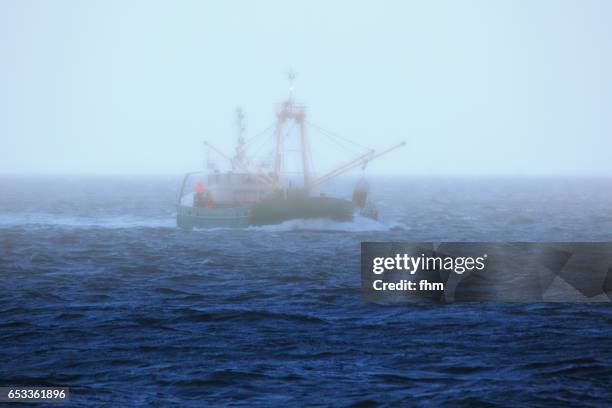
290	111
305	154
240	145
278	157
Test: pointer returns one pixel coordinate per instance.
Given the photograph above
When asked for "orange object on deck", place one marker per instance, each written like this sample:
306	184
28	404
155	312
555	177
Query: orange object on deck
199	187
208	201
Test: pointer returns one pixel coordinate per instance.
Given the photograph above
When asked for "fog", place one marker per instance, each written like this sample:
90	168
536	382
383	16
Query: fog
474	87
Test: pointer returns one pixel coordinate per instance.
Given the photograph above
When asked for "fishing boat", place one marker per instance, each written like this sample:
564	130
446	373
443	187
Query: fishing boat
252	192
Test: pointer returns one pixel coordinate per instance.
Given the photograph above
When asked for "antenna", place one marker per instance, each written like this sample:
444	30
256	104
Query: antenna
291	77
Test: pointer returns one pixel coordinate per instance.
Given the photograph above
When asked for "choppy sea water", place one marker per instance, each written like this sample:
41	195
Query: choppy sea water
100	292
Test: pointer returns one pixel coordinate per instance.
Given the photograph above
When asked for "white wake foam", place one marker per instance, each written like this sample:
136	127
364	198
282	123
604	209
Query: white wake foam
359	224
85	222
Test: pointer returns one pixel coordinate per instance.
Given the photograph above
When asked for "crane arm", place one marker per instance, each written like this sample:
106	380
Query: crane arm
359	161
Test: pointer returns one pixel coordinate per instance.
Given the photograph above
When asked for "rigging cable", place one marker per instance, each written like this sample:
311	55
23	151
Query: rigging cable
333	134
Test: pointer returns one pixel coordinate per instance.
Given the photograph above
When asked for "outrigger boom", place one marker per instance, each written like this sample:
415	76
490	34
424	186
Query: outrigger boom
359	161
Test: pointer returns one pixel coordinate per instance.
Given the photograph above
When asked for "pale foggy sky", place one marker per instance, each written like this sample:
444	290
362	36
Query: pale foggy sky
474	87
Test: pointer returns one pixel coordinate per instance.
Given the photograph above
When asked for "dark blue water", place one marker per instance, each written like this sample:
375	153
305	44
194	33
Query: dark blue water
99	292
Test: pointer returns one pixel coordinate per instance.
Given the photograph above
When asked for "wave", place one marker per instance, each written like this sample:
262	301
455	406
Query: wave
359	224
123	221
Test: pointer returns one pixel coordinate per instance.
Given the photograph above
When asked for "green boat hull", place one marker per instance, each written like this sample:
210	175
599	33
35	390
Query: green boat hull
271	211
279	209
